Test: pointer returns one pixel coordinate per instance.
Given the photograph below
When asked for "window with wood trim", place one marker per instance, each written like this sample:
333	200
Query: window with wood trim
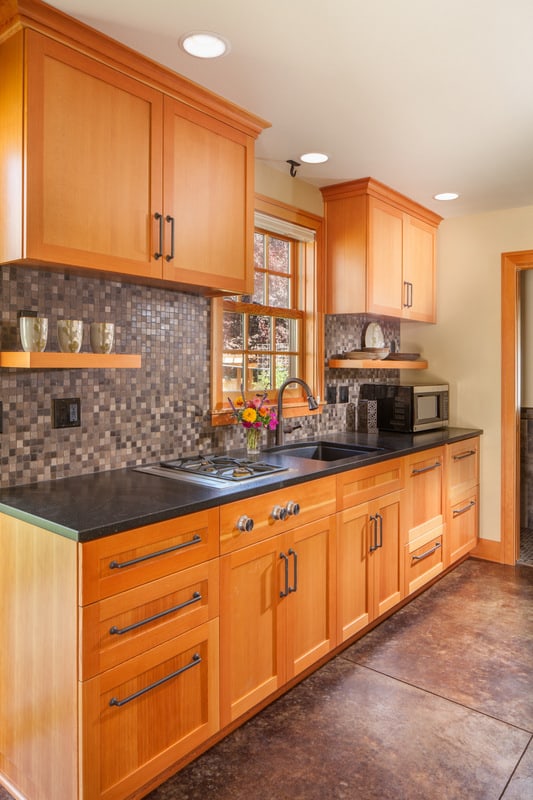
260	340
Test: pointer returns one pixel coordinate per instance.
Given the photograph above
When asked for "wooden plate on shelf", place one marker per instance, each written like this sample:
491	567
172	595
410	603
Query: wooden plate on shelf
403	357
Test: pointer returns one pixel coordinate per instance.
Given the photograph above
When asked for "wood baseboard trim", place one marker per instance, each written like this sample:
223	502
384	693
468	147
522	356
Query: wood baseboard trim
488	550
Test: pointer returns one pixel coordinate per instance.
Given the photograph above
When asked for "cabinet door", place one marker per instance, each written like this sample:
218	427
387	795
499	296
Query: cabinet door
354	607
419	258
94	162
208	191
140	717
385	258
311	599
387	561
252	656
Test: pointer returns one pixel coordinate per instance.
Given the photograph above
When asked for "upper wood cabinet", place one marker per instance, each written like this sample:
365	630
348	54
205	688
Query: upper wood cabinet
380	252
106	167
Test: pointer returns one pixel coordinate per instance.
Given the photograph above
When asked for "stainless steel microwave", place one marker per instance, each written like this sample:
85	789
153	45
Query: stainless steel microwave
408	409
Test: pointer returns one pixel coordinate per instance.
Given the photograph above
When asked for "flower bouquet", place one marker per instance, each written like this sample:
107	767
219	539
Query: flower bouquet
254	415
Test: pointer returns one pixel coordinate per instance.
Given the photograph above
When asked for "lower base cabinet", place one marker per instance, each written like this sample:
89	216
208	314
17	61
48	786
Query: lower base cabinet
424	560
143	715
463	526
370	563
277	613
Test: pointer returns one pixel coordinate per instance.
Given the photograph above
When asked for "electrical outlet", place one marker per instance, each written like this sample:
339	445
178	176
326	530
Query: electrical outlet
66	412
343	394
331	394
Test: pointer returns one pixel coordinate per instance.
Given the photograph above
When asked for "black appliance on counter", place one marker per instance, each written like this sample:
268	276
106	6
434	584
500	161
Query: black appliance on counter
408	409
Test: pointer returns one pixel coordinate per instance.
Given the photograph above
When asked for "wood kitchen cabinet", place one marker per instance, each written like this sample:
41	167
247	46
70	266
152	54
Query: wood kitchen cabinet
277	607
462	498
111	164
380	252
425	517
370	540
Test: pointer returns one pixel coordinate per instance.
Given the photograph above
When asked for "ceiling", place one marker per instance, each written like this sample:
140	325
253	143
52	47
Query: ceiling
424	95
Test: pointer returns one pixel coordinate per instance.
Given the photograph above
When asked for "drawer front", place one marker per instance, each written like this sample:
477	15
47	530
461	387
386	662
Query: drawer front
463	525
127	624
462	466
312	500
142	716
424	560
367	483
117	563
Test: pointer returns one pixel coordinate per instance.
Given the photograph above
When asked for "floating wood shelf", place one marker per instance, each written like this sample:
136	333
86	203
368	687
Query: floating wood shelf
22	360
371	363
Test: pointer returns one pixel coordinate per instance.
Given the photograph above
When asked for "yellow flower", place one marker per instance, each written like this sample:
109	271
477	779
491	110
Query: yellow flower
249	415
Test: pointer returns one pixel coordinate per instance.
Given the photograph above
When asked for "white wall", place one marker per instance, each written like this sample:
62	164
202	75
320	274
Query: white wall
280	186
463	348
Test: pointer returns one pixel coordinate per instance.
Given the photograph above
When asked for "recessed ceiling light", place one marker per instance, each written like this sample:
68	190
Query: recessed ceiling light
446	196
203	44
314	158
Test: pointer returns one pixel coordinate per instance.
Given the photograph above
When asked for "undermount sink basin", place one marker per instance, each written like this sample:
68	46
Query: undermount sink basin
323	451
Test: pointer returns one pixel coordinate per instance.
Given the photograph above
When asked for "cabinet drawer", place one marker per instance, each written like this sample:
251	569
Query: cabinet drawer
312	500
462	530
142	716
117	563
367	483
462	467
424	560
424	503
124	625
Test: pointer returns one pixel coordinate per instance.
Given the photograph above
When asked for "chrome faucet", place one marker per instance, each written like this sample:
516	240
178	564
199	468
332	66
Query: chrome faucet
311	402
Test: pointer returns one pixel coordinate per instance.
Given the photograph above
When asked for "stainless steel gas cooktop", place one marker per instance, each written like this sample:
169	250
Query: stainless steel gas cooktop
212	470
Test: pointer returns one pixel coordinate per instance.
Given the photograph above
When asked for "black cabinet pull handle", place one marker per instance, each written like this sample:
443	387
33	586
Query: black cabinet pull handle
172	226
427	553
194	599
408	286
196	659
120	564
462	510
374	545
426	469
294	554
159	218
380	523
285	557
466	454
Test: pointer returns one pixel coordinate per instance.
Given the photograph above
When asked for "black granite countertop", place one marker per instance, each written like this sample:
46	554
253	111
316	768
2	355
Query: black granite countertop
88	507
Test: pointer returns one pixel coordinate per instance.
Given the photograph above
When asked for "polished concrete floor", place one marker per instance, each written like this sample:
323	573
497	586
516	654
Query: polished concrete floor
437	702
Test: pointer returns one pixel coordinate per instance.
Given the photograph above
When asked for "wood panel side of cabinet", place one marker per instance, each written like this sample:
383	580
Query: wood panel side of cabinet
346	253
38	661
11	147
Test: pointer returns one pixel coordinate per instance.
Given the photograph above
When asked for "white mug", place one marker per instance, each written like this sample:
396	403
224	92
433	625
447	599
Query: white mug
70	335
102	335
33	333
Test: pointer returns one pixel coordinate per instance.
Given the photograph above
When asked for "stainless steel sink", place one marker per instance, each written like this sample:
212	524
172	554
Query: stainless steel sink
323	451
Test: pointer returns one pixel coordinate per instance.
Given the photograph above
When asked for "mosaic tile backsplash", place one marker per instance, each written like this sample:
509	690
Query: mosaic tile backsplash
134	416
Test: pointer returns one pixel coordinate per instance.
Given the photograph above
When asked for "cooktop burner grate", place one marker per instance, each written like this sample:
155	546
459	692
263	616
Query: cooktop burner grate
225	468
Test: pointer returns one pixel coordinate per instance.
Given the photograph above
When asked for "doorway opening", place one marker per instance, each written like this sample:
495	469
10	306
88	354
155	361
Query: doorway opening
513	264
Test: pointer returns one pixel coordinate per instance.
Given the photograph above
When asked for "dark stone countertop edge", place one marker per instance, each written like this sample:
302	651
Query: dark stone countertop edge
87	507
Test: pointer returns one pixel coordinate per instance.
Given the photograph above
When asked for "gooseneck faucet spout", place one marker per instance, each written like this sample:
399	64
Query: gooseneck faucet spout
311	402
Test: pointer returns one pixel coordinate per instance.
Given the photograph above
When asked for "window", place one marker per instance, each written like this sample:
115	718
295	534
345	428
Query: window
259	340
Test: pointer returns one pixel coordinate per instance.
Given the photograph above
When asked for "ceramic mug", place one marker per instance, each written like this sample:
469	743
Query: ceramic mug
102	335
33	333
69	335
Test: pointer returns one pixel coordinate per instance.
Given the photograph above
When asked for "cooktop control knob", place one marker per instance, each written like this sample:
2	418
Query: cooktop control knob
245	524
279	512
293	508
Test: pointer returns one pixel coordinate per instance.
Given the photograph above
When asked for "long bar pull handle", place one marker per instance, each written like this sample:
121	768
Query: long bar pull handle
172	227
380	525
294	554
159	218
462	510
120	564
285	592
196	659
406	294
194	599
426	469
410	294
466	454
374	545
427	553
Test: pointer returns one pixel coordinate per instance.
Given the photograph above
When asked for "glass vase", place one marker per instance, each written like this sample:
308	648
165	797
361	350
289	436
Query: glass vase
253	441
